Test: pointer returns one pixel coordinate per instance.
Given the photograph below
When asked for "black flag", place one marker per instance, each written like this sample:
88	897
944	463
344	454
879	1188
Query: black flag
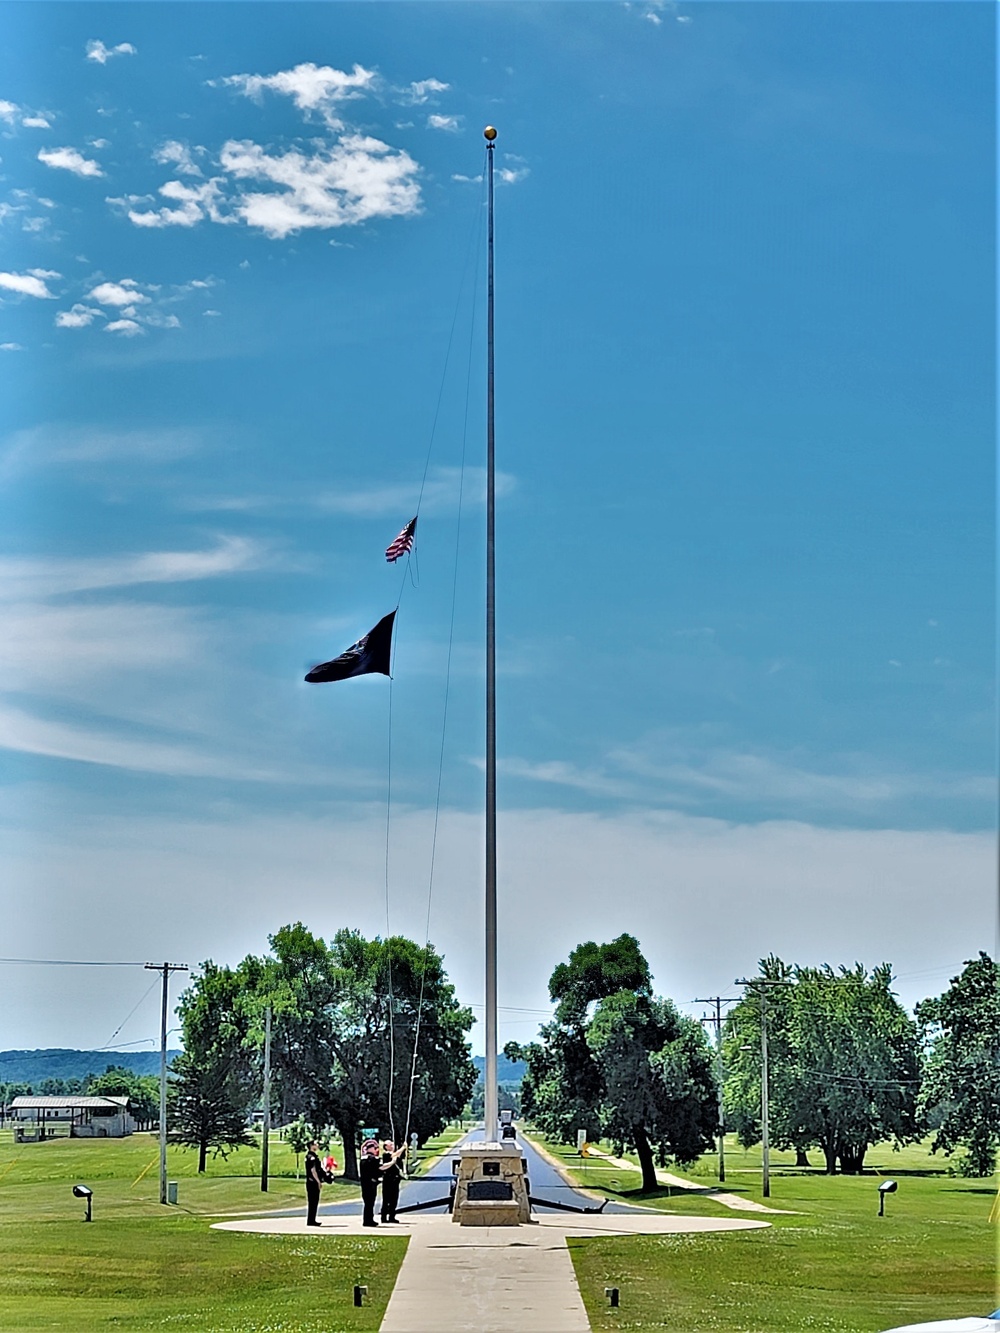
369	654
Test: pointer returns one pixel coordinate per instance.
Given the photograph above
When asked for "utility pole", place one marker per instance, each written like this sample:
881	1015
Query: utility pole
266	1127
759	987
719	1001
166	969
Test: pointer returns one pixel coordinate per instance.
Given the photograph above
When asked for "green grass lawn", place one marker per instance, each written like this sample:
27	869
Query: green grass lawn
834	1265
142	1265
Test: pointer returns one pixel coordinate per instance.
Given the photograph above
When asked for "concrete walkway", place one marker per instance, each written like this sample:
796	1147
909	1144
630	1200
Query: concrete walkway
458	1279
734	1201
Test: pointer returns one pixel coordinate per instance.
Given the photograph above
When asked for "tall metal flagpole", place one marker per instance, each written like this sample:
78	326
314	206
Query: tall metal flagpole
491	1113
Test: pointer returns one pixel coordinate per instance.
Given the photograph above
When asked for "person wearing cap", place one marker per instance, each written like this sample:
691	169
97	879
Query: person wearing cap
391	1177
371	1173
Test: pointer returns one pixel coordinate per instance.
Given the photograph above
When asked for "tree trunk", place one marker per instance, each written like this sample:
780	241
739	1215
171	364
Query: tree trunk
830	1154
852	1158
347	1136
645	1154
800	1157
202	1156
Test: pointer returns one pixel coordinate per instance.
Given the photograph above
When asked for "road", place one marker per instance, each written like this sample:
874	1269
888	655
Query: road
546	1183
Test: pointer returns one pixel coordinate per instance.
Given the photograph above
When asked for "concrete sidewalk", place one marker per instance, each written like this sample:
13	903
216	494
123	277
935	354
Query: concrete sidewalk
486	1280
490	1279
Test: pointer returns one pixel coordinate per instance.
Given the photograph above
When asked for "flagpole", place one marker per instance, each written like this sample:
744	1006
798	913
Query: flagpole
491	1113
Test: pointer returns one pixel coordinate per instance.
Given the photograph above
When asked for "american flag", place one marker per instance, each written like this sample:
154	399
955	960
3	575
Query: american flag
403	544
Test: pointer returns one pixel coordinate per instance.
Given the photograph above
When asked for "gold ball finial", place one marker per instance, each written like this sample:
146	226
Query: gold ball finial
489	133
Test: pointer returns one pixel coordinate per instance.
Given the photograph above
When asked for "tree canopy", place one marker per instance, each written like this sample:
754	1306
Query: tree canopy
844	1062
630	1067
962	1078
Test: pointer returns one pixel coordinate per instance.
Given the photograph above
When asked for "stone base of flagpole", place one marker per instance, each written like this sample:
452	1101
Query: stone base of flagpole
491	1188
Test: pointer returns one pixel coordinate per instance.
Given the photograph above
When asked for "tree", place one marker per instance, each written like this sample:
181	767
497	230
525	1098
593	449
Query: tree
962	1073
844	1069
617	1060
658	1082
214	1081
367	1033
142	1090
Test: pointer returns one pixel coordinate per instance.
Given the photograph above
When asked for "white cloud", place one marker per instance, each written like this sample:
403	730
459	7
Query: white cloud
313	88
421	90
124	293
688	772
211	312
24	577
651	16
35	123
22	731
193	203
43	445
511	175
441	494
125	328
8	111
28	284
11	347
78	317
97	51
443	123
809	894
69	159
358	179
178	154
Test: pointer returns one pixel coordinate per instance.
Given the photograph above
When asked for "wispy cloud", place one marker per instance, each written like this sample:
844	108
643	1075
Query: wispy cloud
101	54
318	89
22	731
44	445
34	578
421	91
441	494
669	770
70	159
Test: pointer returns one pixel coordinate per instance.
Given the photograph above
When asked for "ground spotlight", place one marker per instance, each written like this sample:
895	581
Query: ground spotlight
85	1192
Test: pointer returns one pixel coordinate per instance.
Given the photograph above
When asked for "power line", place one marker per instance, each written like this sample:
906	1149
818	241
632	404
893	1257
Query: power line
67	962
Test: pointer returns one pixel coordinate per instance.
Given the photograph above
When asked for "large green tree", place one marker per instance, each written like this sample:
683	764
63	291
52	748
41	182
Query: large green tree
215	1080
844	1062
962	1074
367	1033
619	1061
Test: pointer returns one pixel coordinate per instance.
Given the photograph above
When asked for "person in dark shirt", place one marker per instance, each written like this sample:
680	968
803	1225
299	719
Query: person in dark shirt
391	1177
316	1177
371	1173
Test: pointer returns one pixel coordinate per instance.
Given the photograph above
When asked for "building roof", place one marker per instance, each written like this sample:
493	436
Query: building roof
72	1103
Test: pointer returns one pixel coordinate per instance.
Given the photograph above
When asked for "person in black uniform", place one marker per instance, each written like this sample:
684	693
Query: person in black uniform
316	1177
371	1173
391	1177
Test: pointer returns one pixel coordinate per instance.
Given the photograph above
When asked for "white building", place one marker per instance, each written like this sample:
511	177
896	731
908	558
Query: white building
75	1117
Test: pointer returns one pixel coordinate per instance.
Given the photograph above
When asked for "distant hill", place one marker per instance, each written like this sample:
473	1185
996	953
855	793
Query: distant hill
508	1071
33	1066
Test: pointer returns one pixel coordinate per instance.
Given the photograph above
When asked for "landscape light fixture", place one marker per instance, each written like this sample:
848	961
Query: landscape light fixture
612	1295
887	1187
85	1192
359	1295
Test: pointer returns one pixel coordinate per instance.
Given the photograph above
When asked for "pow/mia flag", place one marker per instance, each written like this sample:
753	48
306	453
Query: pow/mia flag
369	655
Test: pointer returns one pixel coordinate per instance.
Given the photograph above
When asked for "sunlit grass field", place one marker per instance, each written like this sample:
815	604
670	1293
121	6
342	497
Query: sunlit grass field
143	1265
833	1264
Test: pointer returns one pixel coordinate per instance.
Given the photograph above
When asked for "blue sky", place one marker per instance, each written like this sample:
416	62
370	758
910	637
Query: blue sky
745	424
